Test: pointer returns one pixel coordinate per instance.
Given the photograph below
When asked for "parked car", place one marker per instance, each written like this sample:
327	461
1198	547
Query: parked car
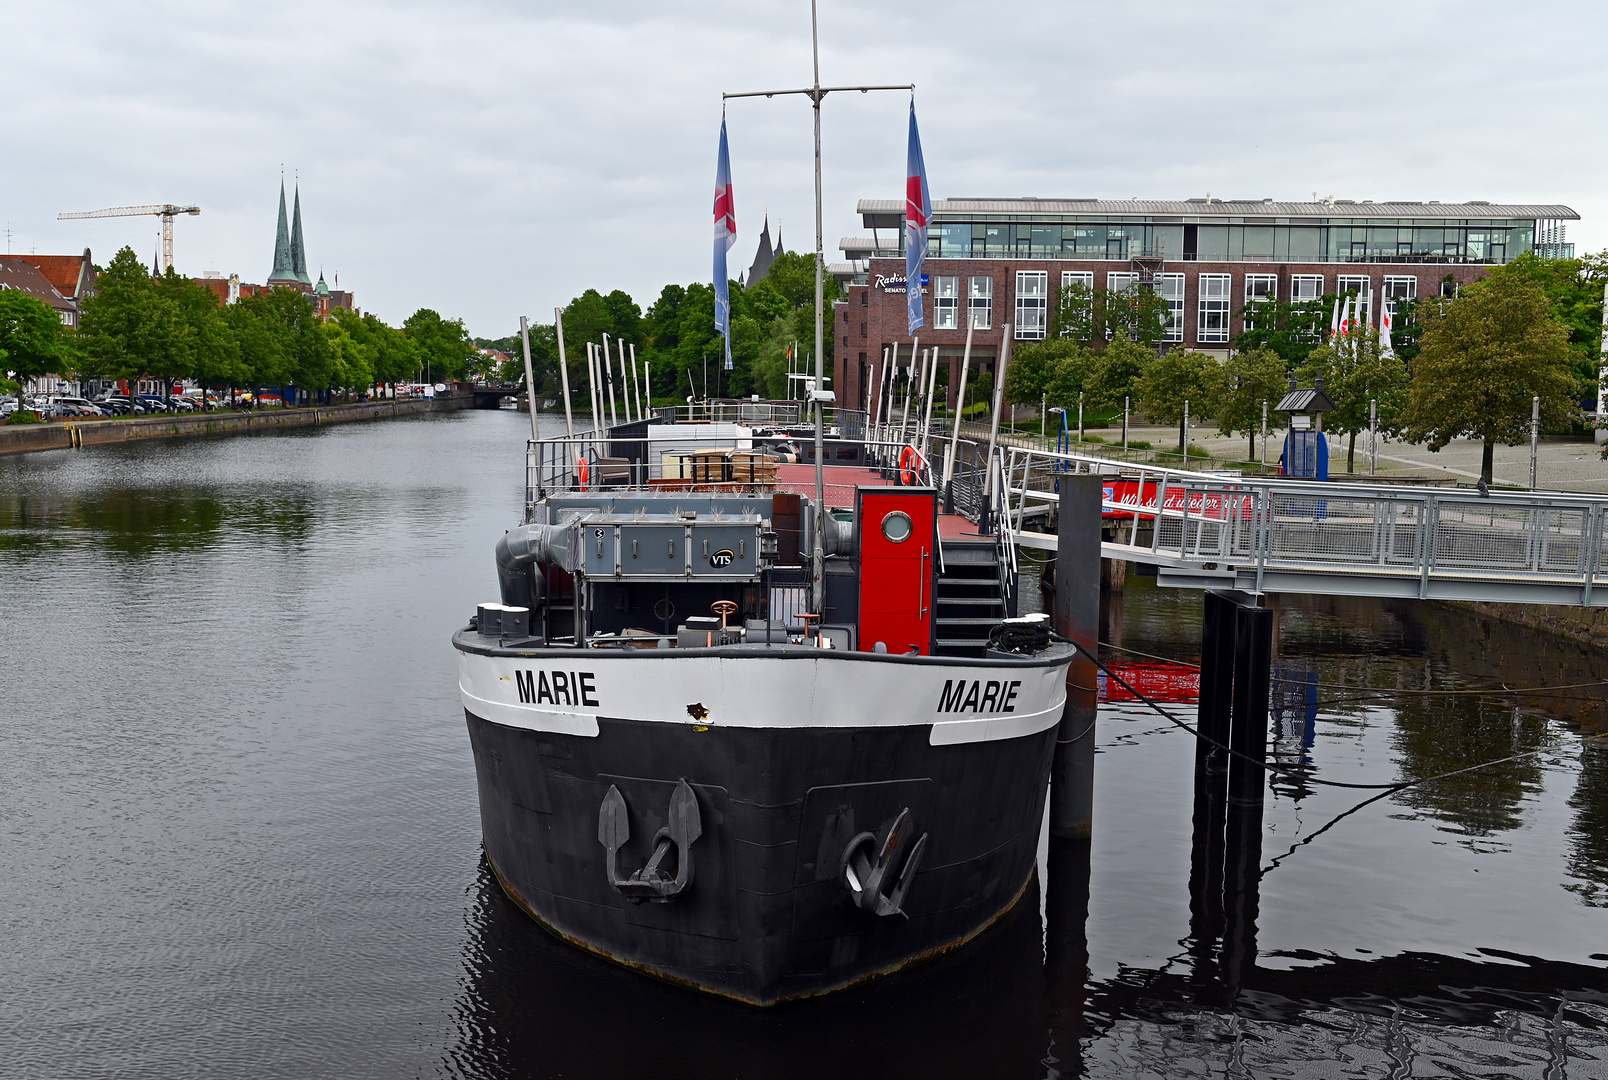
154	404
121	405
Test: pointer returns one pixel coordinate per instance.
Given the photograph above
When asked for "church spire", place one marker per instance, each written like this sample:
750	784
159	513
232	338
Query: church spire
298	252
284	268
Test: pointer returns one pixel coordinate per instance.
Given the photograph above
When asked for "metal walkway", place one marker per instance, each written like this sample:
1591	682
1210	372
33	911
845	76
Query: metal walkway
1203	530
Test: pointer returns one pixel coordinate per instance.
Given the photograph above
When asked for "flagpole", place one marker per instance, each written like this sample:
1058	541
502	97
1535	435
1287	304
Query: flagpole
815	92
563	371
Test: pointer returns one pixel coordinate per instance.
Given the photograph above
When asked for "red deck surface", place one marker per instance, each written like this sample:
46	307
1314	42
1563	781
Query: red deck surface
841	480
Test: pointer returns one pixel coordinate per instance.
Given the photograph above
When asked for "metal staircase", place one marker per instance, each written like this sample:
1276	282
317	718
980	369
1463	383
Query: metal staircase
970	597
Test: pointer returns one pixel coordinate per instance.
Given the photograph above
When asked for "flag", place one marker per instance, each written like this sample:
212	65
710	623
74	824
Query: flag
725	237
918	209
1334	320
1345	318
1386	349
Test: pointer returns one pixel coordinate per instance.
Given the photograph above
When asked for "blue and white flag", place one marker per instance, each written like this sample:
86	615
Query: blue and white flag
725	237
918	210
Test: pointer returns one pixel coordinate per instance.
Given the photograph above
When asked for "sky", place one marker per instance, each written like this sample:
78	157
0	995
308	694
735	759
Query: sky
490	160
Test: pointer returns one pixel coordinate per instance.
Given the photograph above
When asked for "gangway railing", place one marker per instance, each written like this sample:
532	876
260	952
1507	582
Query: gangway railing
1264	535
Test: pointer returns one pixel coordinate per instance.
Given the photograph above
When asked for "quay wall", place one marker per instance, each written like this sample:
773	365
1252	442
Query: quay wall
1582	625
63	435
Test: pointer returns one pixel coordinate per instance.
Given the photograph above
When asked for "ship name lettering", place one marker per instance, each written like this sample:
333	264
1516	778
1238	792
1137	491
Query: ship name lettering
976	695
556	688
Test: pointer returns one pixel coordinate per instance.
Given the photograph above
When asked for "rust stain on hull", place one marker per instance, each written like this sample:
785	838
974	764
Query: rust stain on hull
665	976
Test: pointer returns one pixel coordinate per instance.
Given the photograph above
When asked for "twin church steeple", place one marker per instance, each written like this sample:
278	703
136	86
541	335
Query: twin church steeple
290	255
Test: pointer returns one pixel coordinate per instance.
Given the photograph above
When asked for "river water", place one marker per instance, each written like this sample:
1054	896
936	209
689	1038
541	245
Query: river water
240	836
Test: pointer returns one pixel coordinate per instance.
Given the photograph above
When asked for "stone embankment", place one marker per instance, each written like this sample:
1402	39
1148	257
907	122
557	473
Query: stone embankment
63	435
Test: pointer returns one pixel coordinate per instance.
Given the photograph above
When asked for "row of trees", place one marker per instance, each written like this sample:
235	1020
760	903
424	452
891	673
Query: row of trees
676	334
171	328
1467	366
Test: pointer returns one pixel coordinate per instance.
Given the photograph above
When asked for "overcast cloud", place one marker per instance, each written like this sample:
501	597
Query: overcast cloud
495	159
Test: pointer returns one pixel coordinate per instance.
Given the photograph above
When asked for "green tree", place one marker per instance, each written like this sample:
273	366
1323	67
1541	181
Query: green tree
1356	374
1292	330
443	345
1076	313
292	319
1116	372
1573	289
1135	313
262	357
1175	377
31	339
128	328
1250	379
210	353
1482	357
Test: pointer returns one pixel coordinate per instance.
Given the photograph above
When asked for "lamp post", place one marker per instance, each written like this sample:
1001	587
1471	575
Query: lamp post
1080	417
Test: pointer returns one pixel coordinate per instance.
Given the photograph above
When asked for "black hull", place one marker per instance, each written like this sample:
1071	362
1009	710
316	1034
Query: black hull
766	917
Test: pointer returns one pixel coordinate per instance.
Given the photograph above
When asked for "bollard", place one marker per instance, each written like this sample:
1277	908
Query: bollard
1253	657
1242	893
1218	624
1077	616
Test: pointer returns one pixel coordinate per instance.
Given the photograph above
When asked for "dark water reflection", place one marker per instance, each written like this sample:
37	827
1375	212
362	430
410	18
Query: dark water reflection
240	836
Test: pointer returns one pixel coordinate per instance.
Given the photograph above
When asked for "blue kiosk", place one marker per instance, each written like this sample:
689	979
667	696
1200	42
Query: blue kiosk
1306	451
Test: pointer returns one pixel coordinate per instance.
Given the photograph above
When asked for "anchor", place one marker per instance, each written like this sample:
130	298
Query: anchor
651	882
867	866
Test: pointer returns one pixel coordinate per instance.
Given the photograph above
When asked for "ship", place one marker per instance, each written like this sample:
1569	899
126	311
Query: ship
690	766
755	710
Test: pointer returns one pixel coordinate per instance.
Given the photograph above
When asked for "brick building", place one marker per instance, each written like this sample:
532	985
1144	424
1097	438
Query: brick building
62	281
1005	261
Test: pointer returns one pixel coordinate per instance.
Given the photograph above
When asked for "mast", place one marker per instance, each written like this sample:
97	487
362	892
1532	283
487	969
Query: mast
815	92
818	555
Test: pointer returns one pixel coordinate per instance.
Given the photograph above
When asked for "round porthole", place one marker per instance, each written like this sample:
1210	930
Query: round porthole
897	527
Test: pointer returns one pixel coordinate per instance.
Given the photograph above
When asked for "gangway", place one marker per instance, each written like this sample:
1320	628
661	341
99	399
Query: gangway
1221	531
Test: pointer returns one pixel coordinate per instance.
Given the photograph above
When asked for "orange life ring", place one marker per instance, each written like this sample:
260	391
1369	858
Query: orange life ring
909	466
580	468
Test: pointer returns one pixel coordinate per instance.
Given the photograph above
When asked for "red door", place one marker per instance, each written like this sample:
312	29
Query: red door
898	537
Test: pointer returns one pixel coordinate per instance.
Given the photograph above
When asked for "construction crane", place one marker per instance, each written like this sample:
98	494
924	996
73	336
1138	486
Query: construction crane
167	212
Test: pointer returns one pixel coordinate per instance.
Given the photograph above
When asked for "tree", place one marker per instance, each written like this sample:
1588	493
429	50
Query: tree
210	354
31	341
1075	313
1116	372
1250	379
293	321
1573	289
1135	313
1482	357
1356	376
1292	330
128	329
1175	377
444	346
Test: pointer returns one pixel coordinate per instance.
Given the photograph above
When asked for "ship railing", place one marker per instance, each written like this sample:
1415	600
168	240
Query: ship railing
708	460
845	423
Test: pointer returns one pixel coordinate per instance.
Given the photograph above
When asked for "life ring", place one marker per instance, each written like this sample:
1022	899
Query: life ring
910	465
581	470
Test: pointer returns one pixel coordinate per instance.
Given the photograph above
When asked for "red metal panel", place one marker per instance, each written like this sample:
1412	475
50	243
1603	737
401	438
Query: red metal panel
896	577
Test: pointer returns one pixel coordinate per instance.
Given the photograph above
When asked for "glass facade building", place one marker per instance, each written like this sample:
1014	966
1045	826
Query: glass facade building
1219	231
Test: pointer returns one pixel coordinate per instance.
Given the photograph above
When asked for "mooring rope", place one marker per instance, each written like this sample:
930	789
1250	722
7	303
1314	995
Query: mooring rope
1298	773
1376	689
